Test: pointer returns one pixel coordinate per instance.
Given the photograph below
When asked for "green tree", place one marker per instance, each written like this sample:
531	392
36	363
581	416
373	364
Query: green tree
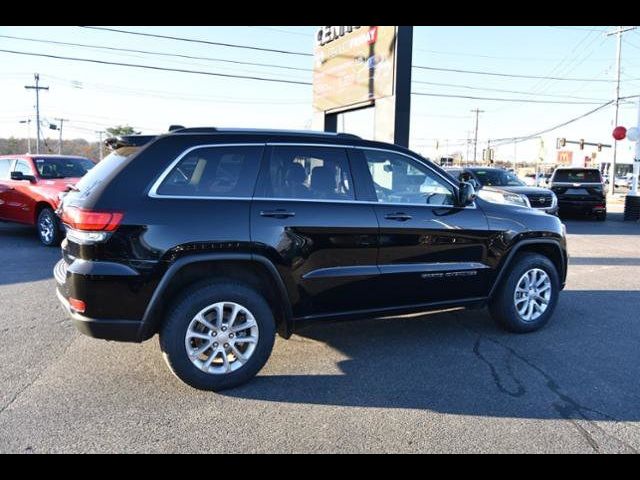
121	130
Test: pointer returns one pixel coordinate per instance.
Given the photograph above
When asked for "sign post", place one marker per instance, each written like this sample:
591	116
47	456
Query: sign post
359	67
632	200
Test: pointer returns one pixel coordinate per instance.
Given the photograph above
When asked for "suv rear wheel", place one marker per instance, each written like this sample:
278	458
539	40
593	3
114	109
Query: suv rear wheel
49	227
218	335
526	298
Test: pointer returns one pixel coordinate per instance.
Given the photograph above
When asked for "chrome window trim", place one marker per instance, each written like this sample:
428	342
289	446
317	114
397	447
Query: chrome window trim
153	192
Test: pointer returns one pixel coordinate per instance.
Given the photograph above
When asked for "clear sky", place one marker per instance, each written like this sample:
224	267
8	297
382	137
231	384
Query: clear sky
94	96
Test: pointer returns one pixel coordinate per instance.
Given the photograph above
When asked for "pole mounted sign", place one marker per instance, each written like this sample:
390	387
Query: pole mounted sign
353	66
364	66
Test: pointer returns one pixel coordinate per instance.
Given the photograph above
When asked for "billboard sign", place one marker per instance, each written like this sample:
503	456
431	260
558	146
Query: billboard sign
353	66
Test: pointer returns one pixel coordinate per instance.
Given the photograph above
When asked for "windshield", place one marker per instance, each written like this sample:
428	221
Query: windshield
104	168
498	178
50	168
577	176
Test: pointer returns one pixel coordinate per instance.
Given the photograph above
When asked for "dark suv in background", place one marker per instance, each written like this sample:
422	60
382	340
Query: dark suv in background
217	239
580	191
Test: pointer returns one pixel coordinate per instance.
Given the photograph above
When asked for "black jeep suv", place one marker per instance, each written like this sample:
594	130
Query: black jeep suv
580	190
217	239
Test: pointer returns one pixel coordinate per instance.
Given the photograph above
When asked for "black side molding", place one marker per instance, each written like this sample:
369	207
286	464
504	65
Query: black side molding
152	315
518	247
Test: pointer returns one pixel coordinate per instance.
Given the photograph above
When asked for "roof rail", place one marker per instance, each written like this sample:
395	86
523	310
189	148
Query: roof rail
265	131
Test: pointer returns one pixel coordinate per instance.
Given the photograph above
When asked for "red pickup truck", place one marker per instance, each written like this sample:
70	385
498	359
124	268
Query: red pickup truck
31	186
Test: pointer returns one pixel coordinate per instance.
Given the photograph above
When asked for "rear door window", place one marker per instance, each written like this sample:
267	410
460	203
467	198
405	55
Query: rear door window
228	172
307	173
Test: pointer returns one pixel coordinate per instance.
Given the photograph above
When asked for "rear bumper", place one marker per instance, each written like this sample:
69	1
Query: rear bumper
118	330
115	296
588	207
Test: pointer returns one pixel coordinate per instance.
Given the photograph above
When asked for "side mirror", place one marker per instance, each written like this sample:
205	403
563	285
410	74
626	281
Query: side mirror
466	194
21	176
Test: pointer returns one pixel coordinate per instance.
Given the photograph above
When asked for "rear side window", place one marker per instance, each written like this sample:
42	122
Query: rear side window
577	176
5	165
308	173
214	172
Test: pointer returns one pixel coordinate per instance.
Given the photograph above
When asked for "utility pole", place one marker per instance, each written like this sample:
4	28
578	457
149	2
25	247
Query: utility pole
61	120
27	122
100	133
475	141
37	88
612	170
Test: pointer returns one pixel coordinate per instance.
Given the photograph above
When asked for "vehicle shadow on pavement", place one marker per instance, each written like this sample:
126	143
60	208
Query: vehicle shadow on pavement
582	367
614	225
24	259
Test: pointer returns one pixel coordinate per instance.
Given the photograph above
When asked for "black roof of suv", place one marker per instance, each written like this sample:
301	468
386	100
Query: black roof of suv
217	239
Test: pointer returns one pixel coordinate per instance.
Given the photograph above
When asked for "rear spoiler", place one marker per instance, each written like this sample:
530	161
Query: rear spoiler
113	143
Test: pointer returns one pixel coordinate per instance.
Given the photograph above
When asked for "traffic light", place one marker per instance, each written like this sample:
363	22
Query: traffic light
599	147
562	142
582	144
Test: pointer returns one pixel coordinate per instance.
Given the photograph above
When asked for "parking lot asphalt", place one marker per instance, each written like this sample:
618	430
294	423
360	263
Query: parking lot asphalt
442	382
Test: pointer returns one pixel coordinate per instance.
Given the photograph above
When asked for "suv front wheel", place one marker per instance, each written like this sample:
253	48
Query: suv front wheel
218	335
526	298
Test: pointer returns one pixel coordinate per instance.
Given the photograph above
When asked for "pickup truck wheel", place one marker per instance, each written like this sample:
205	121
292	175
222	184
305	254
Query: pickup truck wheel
48	227
218	335
525	300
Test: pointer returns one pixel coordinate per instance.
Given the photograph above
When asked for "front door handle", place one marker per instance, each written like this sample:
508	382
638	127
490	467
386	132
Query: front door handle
277	214
399	217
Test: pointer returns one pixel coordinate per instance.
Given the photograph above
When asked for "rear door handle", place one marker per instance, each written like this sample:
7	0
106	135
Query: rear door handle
277	214
399	217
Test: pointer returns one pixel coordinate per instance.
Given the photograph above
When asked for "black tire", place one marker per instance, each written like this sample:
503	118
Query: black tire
601	217
184	309
49	229
502	305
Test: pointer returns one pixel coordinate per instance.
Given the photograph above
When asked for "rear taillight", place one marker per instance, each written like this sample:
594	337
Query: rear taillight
91	221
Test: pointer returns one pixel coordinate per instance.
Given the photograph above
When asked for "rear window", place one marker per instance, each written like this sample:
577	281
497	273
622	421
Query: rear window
61	167
577	176
214	172
104	168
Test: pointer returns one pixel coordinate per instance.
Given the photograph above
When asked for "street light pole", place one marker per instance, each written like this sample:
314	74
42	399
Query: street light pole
28	124
100	132
61	120
37	88
475	141
636	162
612	171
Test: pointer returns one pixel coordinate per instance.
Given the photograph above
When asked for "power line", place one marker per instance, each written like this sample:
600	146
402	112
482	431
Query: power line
279	30
564	124
195	40
470	87
510	75
576	28
516	100
118	90
164	54
493	57
150	67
